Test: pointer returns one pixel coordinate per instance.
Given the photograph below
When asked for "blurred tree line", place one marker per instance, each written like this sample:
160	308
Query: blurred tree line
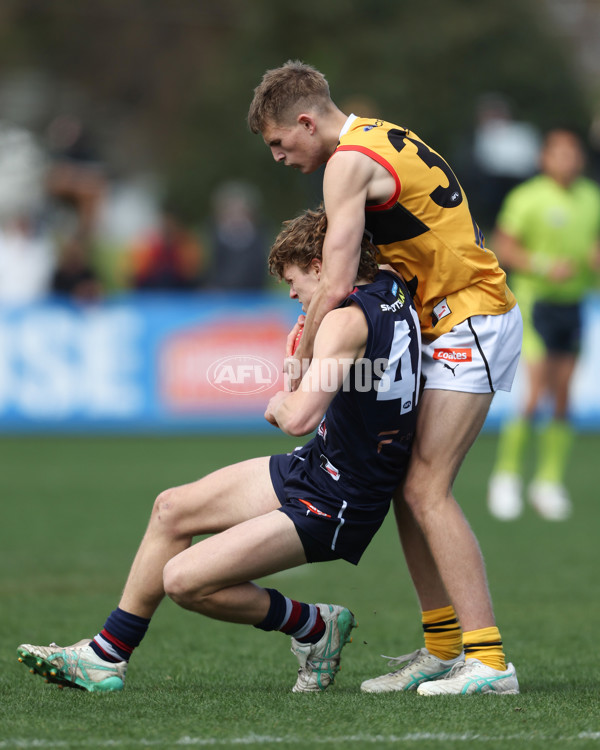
165	86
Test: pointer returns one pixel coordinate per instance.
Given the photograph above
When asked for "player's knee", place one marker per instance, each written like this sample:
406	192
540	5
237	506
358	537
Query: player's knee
176	584
167	513
412	497
422	496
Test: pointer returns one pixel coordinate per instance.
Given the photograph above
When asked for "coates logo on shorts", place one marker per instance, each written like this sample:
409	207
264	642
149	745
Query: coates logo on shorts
453	355
242	374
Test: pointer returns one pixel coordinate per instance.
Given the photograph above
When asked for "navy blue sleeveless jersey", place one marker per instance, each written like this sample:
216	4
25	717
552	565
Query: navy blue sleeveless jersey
362	446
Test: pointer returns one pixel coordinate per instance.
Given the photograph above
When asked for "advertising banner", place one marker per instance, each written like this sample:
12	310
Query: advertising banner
201	362
193	362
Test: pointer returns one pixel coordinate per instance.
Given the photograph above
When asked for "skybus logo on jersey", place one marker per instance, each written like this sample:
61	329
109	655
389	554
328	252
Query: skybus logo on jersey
453	355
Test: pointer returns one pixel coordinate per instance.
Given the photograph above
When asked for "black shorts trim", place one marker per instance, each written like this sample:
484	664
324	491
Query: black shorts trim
485	362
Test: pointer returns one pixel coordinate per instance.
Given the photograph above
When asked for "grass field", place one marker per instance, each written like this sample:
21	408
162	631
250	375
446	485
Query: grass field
73	510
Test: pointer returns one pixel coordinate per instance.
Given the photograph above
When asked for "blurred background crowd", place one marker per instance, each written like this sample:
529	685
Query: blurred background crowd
125	159
126	163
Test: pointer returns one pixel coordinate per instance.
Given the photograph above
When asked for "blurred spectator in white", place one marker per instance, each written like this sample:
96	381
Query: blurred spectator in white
169	258
26	250
26	262
239	242
130	210
505	152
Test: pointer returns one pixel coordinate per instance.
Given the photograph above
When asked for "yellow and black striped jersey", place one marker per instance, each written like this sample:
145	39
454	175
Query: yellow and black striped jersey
425	230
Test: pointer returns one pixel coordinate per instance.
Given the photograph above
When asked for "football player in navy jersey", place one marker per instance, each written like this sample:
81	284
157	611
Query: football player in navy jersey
323	501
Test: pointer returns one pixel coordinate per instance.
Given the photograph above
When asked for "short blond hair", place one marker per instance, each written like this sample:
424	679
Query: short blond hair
301	241
284	91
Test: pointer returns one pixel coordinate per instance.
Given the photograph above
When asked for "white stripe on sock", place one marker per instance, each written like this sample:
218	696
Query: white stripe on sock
288	610
310	623
108	647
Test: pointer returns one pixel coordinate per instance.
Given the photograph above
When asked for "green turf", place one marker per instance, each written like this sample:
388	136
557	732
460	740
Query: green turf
73	510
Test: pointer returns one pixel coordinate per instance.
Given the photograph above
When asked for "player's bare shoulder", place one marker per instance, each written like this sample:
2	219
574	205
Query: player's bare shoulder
361	171
343	332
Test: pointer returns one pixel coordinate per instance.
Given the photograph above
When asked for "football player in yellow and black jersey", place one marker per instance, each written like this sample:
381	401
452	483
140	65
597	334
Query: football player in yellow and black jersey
383	179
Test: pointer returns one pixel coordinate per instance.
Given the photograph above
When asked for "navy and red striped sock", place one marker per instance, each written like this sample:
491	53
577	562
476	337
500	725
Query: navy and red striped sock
122	633
302	621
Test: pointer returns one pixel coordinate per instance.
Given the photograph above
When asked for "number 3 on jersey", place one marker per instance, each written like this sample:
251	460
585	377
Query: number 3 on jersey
399	379
445	197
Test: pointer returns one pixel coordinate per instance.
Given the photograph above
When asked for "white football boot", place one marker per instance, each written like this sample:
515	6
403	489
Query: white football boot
472	676
420	666
505	500
320	662
550	500
76	666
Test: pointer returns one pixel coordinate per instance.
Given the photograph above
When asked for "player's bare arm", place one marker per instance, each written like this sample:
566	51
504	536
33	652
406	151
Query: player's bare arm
350	179
512	254
340	341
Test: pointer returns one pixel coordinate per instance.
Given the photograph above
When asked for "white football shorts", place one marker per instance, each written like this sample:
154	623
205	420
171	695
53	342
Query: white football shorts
479	355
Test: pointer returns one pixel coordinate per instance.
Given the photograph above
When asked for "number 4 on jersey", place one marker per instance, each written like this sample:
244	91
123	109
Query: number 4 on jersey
399	379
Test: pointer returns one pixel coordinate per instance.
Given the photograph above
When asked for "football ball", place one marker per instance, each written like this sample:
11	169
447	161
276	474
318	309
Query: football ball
297	340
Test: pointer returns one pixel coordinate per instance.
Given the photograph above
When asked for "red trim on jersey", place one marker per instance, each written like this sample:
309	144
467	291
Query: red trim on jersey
386	165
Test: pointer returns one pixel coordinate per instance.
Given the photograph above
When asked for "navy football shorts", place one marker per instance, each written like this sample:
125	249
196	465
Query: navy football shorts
559	326
329	527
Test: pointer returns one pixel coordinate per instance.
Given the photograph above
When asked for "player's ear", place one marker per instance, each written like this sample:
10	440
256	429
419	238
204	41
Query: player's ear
316	265
307	121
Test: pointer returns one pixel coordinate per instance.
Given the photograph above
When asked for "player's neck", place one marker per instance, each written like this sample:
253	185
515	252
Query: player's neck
335	121
564	182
